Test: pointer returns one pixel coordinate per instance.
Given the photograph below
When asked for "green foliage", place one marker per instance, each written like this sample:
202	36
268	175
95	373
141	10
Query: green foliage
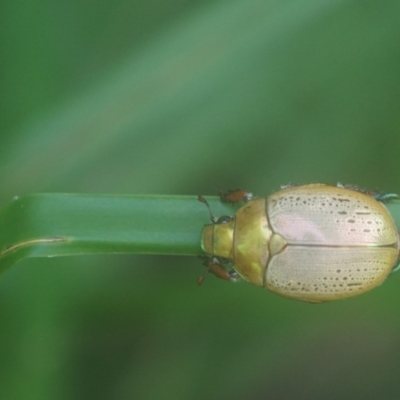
49	225
187	98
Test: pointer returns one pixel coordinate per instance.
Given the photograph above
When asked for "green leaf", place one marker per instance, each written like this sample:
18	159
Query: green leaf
49	225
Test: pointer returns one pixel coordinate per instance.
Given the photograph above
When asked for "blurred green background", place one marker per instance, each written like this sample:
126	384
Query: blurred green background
189	97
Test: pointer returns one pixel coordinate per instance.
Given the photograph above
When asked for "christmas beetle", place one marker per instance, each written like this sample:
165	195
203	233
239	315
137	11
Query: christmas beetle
313	243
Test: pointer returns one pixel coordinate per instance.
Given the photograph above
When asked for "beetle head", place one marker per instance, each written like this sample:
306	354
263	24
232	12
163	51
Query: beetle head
217	238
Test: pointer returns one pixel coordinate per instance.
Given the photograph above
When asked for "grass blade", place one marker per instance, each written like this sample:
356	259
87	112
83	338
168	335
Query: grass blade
49	225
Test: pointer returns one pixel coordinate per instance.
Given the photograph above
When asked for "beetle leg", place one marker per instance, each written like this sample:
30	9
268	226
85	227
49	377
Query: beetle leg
235	196
353	187
289	185
396	267
380	196
385	197
215	266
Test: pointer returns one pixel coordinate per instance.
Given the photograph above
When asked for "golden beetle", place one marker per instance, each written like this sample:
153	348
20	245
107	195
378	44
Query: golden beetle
312	243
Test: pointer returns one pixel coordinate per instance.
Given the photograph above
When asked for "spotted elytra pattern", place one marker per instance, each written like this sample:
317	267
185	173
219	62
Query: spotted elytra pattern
332	216
339	243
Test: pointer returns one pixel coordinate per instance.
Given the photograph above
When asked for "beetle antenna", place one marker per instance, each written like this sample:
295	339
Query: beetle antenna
204	201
